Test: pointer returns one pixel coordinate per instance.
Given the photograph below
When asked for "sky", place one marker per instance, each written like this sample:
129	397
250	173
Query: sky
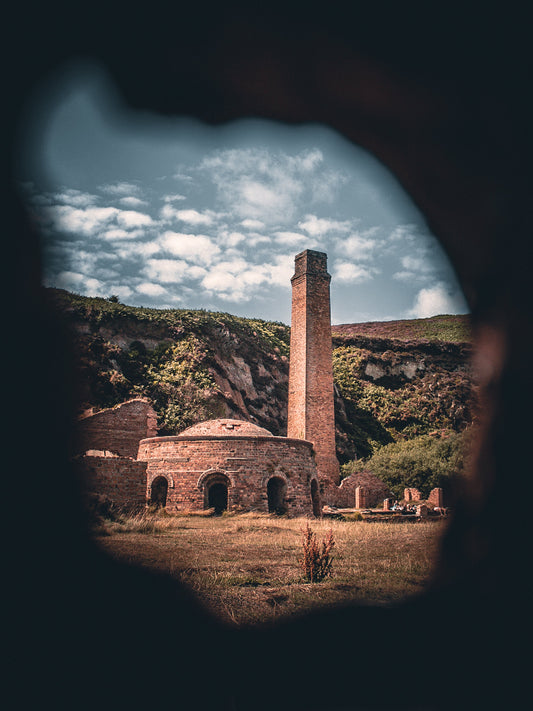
172	213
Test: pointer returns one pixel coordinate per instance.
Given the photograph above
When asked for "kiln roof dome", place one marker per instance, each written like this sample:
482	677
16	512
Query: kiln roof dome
225	428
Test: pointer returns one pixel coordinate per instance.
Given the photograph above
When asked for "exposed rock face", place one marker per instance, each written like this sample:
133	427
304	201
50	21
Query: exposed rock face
385	388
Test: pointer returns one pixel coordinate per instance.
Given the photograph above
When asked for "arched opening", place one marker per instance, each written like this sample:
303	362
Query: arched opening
217	497
159	491
315	499
276	490
216	494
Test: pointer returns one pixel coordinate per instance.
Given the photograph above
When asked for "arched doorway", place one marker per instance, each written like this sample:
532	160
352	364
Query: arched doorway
217	497
276	490
216	493
159	491
315	499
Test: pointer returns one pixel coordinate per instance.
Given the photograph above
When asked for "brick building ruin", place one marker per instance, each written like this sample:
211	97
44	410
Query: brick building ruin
232	464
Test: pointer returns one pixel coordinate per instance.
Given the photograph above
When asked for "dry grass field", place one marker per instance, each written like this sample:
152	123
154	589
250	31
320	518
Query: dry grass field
246	569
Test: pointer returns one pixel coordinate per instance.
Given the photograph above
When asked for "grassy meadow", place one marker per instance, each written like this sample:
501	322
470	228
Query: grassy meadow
245	567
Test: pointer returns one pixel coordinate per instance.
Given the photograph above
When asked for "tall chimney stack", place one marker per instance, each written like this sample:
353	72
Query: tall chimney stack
311	413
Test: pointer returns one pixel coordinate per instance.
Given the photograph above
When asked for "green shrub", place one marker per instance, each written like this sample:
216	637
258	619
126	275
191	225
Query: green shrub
424	462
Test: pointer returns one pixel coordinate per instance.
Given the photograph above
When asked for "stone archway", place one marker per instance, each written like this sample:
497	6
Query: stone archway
159	492
216	492
276	494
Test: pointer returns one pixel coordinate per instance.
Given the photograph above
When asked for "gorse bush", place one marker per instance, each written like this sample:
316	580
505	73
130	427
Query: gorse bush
316	560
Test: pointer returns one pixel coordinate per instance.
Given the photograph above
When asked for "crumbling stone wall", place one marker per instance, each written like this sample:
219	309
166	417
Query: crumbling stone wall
436	497
375	490
245	464
412	494
121	479
117	429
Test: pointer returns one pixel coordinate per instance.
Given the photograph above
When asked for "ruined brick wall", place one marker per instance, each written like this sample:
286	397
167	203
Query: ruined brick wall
412	494
436	497
121	479
311	413
245	463
375	490
117	429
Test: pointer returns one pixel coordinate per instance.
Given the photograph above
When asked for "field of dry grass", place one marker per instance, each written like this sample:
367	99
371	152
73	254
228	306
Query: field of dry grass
246	567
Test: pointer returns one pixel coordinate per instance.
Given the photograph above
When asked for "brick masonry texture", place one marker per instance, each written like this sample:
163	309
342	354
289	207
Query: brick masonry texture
121	479
311	413
117	429
245	464
375	490
235	464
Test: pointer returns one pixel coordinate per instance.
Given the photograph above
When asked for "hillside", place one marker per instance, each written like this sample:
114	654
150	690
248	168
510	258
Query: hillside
195	365
452	329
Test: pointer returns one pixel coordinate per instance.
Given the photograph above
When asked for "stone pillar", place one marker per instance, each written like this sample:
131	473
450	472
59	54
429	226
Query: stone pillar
361	498
311	412
422	511
436	497
387	504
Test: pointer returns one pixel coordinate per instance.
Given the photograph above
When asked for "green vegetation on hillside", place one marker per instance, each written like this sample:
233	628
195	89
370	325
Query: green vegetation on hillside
195	365
378	414
423	462
451	329
177	373
99	312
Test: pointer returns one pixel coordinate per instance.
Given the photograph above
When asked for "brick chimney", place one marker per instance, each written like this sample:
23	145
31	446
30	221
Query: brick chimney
311	413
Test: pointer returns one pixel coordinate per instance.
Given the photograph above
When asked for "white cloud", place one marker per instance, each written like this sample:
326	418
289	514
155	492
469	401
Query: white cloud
403	233
319	226
190	216
80	283
405	276
108	222
171	271
250	224
183	176
415	269
117	233
197	248
75	198
281	271
359	245
416	264
234	280
174	197
131	250
194	217
348	272
121	188
237	280
86	222
131	201
131	218
258	185
434	301
231	239
151	289
254	239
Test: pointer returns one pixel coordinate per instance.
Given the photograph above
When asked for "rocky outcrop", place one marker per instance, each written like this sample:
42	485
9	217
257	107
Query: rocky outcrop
224	366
